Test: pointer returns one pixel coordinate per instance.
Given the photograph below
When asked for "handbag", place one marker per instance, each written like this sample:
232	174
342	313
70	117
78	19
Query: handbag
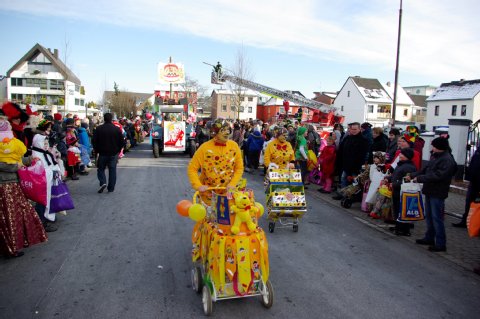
473	220
60	197
33	182
411	202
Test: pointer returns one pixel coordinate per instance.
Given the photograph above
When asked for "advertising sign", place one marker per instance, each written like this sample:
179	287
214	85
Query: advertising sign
171	73
174	136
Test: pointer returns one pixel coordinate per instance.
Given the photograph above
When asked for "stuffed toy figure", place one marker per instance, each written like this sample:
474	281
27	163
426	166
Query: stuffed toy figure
244	209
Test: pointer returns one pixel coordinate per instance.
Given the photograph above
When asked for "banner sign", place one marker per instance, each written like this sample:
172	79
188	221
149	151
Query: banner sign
171	73
174	136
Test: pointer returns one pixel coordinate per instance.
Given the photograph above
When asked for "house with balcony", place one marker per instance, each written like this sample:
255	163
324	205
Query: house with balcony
230	104
364	100
454	100
405	108
41	78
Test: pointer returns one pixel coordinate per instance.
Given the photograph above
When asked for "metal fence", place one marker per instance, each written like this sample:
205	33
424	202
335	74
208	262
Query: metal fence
472	141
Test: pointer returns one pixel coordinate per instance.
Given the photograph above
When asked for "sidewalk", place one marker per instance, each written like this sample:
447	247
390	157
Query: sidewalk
461	249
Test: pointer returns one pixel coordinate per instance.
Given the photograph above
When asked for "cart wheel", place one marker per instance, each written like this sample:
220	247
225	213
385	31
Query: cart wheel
271	227
207	301
295	227
197	282
267	295
347	203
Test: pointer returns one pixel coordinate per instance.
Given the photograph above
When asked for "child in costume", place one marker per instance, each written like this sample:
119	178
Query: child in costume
376	175
73	157
326	161
279	152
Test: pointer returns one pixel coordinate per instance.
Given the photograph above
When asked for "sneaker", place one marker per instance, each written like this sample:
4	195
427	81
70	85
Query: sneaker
50	227
83	173
102	188
423	241
437	248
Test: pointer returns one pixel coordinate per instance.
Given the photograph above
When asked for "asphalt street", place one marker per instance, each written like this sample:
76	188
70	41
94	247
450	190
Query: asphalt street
126	254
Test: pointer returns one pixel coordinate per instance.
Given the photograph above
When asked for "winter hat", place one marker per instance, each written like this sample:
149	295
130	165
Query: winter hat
366	125
217	125
71	140
380	156
69	121
31	109
441	143
407	152
301	131
43	125
5	129
57	117
13	111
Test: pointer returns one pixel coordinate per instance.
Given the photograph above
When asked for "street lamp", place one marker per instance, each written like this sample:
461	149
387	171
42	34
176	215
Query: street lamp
396	65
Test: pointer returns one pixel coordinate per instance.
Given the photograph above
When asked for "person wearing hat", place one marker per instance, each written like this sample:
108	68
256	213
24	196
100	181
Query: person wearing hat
404	167
404	142
219	161
279	153
301	152
20	226
18	119
436	177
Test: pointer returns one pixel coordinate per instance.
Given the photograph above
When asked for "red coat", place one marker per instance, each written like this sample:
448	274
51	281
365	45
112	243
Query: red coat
416	160
327	160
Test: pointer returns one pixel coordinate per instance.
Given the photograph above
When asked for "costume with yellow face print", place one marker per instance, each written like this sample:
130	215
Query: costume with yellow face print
218	160
279	151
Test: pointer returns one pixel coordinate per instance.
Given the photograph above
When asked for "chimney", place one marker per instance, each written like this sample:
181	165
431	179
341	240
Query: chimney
55	53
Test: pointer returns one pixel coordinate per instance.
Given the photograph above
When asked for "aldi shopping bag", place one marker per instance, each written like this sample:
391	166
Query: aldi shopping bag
411	202
60	197
33	182
473	220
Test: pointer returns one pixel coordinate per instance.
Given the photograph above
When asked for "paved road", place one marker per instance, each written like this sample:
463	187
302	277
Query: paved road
127	255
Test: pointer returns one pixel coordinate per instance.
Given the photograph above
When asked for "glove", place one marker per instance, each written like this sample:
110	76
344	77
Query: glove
272	166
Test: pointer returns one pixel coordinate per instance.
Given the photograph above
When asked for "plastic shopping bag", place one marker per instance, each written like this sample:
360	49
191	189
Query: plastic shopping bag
411	202
60	197
473	220
33	181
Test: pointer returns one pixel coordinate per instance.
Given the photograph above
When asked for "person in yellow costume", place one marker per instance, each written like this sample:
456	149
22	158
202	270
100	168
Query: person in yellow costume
219	161
279	152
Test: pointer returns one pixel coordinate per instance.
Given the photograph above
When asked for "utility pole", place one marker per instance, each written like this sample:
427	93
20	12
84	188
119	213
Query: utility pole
396	66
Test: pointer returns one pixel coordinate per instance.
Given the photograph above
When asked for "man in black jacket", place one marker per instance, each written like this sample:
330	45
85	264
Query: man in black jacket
352	153
436	177
107	142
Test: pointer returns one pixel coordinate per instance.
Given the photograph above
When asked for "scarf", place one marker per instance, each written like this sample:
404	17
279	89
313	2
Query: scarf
46	154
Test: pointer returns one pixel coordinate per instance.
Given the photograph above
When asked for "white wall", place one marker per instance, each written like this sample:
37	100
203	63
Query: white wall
353	106
476	108
445	112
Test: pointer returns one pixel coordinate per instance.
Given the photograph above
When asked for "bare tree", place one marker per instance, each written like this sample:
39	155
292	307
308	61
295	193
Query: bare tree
241	69
191	87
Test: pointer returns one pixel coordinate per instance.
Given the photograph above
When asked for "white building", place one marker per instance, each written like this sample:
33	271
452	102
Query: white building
405	109
420	90
454	100
41	78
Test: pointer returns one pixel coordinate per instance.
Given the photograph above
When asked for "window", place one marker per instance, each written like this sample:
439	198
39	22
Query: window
245	99
224	97
405	112
463	111
250	109
437	110
56	85
232	108
250	98
418	91
454	110
16	82
348	93
77	88
370	108
224	107
41	83
341	108
17	97
82	102
77	101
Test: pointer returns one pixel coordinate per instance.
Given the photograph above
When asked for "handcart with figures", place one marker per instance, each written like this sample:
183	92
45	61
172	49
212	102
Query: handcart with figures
286	203
230	250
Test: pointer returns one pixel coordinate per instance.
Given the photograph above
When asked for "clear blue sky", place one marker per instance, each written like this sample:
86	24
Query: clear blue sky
305	45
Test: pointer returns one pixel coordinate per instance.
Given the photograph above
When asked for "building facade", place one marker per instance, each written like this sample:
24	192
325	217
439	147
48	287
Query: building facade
454	100
228	104
41	78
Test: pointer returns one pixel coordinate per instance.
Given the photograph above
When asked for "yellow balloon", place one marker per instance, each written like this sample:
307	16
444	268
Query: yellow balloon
261	210
197	212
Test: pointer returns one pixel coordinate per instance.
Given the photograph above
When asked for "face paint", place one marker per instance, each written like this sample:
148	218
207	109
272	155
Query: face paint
223	134
282	138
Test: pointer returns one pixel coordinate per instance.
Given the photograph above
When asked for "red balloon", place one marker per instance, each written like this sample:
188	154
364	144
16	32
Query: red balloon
183	206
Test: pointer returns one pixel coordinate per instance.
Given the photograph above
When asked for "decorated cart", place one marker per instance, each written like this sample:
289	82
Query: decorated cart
230	250
286	202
